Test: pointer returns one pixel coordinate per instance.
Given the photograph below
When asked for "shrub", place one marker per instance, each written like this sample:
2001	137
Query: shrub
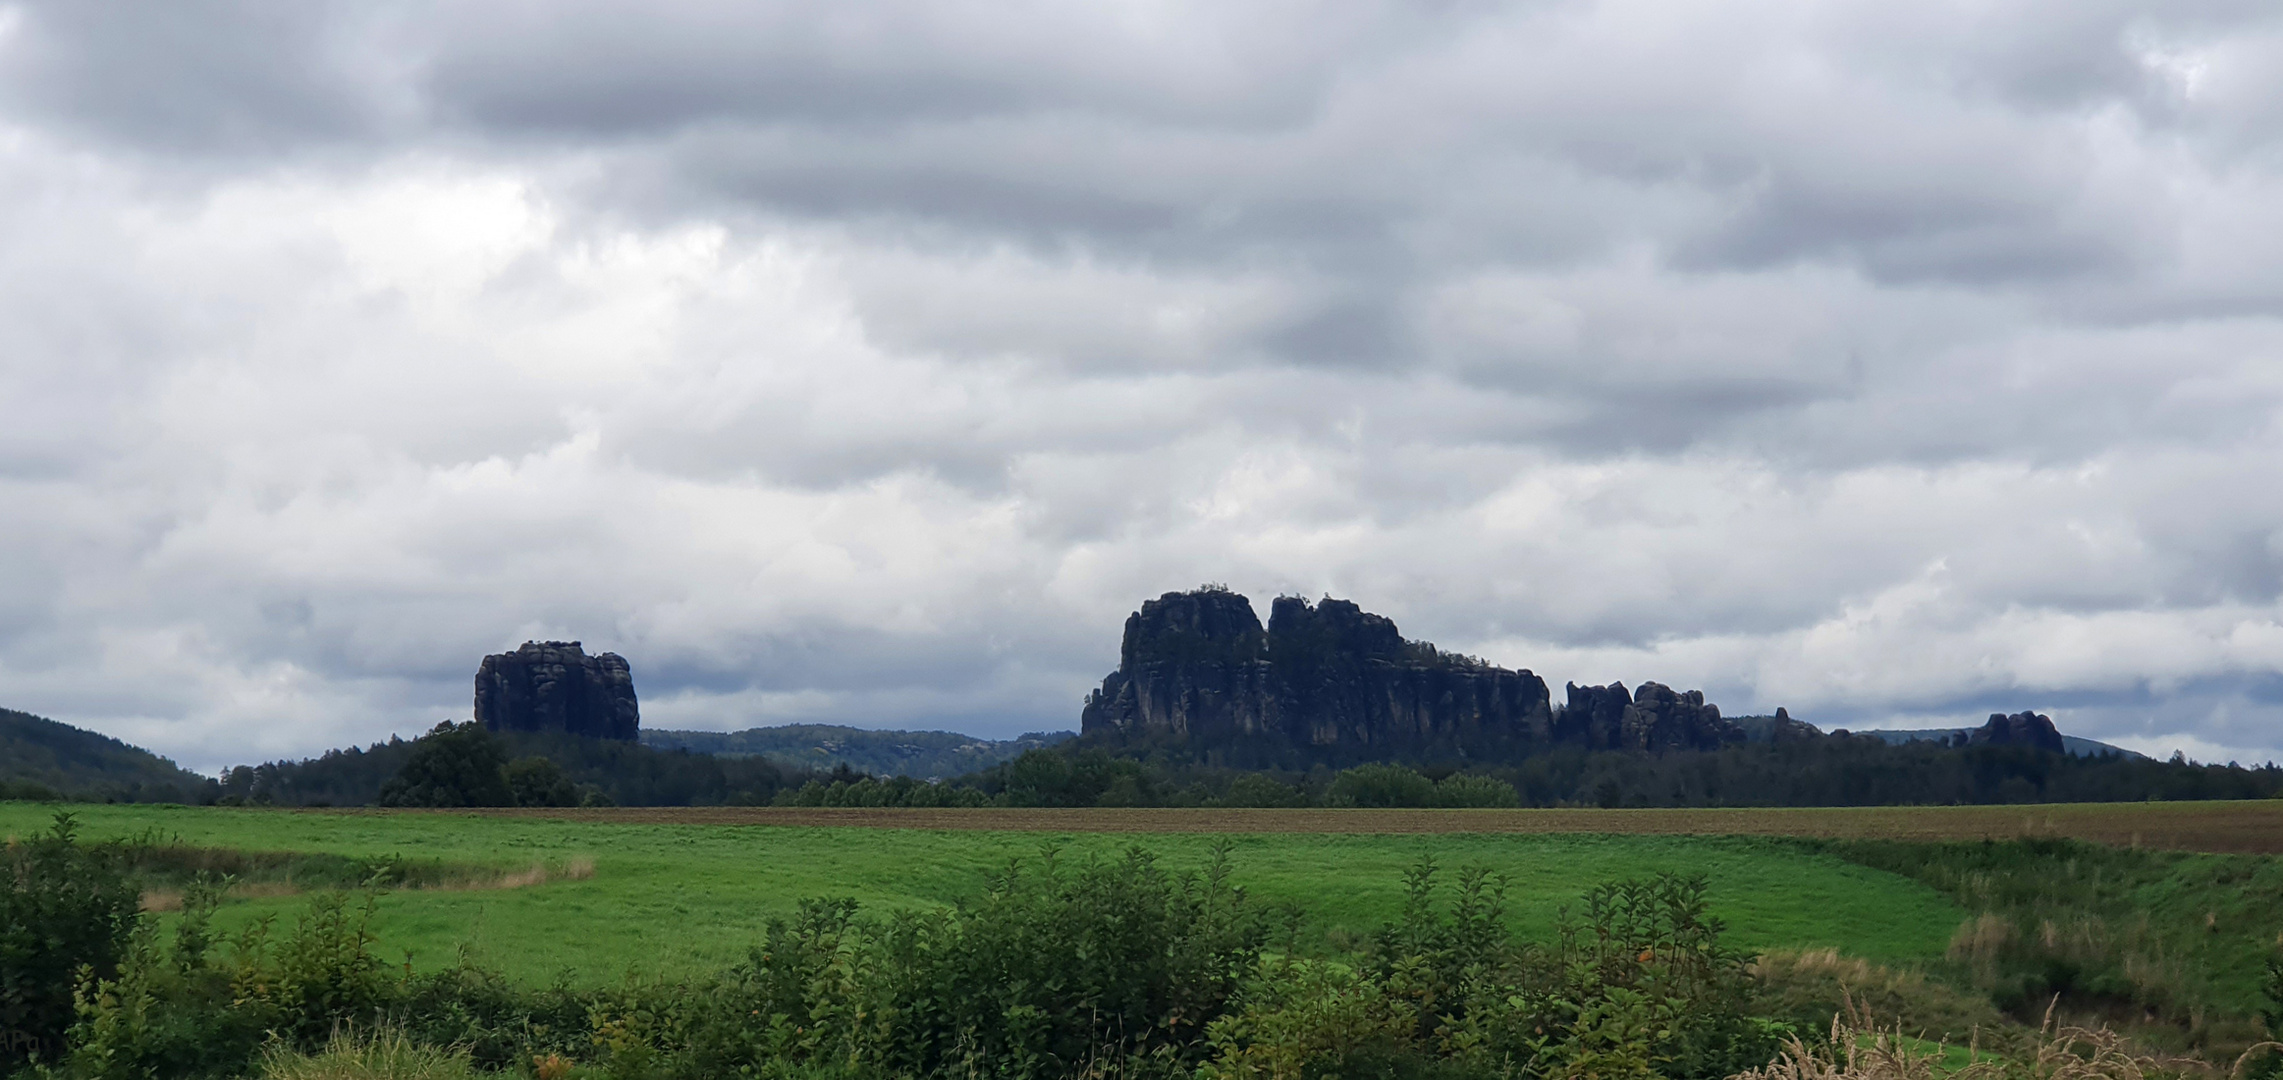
1105	968
1380	786
187	1009
1638	982
1638	987
452	765
1112	967
65	909
1315	1020
538	781
1475	790
28	791
1260	789
1053	968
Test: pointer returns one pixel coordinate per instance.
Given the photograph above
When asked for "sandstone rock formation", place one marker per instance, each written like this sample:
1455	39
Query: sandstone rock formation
1666	719
1651	717
1330	682
556	686
2020	729
1594	715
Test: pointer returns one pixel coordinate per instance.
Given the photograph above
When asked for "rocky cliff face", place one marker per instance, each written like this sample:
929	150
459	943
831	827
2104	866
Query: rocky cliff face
2020	729
1330	680
556	686
1651	717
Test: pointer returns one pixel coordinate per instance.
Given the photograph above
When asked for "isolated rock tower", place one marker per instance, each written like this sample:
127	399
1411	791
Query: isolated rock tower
556	686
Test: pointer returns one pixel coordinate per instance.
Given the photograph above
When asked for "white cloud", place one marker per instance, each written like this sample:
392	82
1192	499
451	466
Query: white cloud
1891	364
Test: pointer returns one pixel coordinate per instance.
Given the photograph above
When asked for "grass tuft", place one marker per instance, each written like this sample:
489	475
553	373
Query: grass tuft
385	1055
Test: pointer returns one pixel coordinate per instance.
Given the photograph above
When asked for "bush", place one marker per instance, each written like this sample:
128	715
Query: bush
1260	789
1639	987
1475	790
452	765
177	1009
1316	1020
1380	786
64	909
1106	968
1054	968
538	781
28	791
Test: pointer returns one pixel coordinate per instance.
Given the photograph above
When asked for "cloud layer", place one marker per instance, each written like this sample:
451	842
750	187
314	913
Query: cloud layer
867	365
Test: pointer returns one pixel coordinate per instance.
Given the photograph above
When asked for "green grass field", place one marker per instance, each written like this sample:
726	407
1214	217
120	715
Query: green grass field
670	899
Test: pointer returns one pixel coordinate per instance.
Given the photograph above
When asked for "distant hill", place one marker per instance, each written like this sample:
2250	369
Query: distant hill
2076	745
922	755
40	758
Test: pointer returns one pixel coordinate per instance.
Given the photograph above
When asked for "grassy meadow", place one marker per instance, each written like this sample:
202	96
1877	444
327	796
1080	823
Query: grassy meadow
672	899
1952	924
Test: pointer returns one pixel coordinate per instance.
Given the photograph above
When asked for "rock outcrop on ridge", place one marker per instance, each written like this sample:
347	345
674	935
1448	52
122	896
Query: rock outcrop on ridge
2020	729
1652	717
1330	681
556	686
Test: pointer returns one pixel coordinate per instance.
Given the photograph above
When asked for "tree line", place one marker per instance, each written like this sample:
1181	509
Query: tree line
465	765
1827	771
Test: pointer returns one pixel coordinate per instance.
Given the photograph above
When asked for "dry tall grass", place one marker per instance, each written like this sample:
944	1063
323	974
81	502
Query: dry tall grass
1810	986
576	868
1861	1050
1875	1055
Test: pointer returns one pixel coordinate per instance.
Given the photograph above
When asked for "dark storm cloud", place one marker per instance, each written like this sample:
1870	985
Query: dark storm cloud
605	69
223	77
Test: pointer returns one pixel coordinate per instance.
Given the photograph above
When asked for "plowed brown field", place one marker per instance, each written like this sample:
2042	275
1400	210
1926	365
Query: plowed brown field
2248	827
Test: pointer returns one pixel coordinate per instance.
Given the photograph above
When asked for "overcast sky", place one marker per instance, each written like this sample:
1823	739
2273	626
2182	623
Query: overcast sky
867	363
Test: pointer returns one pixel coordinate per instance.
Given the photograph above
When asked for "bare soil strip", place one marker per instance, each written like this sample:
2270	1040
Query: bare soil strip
2253	827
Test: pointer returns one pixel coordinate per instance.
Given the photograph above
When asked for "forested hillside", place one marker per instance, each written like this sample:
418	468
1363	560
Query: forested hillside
576	769
41	758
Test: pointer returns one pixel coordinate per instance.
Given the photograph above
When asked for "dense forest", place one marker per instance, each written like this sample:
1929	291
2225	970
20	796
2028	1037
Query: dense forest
926	755
463	765
1829	771
458	764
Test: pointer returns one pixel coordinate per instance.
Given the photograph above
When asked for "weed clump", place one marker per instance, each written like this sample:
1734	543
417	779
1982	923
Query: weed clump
383	1055
1809	987
64	908
1636	984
